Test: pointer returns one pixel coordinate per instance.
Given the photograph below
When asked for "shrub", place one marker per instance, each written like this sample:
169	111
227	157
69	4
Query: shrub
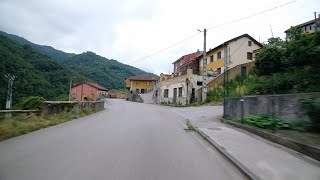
265	121
30	102
215	95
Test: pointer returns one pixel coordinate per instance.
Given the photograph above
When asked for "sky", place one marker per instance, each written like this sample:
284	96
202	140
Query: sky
128	30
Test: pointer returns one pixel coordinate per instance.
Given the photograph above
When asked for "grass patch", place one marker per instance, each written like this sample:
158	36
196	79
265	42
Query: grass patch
25	123
190	128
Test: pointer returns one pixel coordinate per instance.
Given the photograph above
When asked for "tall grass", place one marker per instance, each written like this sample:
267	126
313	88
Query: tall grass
25	123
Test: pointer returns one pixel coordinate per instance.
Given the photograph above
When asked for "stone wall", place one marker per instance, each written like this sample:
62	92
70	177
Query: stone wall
288	107
55	107
135	98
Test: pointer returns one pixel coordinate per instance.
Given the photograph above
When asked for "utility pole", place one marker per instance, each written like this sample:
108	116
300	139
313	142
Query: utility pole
315	21
271	31
205	75
225	78
10	86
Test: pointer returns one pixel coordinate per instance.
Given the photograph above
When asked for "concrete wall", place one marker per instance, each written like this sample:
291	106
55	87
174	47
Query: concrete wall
288	107
55	107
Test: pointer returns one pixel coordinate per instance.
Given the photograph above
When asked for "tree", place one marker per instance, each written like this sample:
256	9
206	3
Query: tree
270	60
295	33
275	41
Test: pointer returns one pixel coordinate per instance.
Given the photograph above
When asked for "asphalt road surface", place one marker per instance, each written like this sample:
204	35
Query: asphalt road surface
126	141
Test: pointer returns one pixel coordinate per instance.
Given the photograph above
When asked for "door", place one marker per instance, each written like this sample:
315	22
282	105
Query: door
175	95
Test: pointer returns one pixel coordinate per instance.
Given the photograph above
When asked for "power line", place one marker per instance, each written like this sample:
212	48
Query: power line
166	48
247	17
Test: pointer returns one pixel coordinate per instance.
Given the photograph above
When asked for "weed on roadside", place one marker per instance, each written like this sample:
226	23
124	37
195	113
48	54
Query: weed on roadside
190	128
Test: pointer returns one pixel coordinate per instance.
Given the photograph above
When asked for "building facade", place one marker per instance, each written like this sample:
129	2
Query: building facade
88	92
179	88
141	84
183	88
240	50
308	27
185	62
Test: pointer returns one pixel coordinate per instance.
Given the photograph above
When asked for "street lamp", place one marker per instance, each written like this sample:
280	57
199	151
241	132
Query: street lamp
70	87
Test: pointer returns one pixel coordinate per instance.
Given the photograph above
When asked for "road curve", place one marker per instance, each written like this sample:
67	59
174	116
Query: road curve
126	141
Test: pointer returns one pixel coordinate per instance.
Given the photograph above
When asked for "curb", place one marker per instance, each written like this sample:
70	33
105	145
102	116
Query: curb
249	174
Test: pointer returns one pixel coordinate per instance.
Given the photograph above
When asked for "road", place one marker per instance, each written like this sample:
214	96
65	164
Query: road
126	141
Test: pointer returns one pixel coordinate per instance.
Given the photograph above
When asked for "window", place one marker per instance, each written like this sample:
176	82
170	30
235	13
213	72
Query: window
219	55
305	28
310	27
137	82
219	70
249	43
148	83
199	83
166	93
211	58
249	55
180	92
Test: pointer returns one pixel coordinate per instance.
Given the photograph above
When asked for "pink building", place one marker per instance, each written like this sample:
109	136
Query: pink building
88	92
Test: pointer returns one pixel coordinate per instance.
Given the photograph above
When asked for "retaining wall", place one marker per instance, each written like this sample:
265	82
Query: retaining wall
55	107
288	106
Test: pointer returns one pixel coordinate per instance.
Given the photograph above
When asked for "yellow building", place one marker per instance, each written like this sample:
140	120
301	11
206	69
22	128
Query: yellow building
141	83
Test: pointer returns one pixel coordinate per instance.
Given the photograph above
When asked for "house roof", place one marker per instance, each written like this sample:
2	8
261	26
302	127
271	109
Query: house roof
94	85
188	57
234	39
144	77
302	24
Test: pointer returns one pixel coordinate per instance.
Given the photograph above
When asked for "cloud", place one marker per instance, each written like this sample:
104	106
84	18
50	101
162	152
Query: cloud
128	30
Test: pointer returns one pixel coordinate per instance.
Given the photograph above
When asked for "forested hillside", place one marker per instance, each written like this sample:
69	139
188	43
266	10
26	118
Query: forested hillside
37	74
108	73
57	55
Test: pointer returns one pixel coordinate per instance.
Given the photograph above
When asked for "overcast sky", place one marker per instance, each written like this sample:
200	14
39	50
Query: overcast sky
127	30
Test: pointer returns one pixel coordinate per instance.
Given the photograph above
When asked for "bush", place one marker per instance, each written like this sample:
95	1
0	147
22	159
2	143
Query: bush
215	95
30	102
265	121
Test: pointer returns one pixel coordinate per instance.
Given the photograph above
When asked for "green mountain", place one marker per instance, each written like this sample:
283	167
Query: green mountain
36	74
108	73
57	55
